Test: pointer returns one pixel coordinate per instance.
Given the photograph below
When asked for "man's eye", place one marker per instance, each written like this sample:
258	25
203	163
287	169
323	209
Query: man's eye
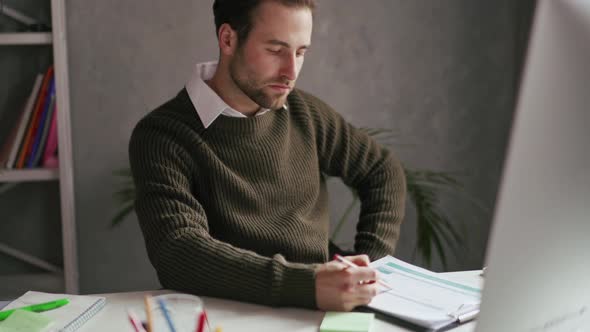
274	51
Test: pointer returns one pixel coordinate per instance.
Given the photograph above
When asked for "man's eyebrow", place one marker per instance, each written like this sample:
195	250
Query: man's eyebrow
282	43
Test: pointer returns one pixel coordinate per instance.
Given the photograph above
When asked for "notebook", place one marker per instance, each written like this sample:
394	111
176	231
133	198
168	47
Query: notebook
422	297
67	318
25	321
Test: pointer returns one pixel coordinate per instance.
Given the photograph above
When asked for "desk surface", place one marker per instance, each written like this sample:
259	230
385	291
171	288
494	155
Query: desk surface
243	317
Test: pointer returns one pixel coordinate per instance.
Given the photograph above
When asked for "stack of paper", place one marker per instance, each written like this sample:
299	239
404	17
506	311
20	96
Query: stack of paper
423	297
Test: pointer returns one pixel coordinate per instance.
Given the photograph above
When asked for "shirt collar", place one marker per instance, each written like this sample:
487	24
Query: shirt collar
208	104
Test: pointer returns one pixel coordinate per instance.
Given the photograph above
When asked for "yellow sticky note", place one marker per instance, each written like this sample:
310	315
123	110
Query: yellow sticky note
347	322
25	321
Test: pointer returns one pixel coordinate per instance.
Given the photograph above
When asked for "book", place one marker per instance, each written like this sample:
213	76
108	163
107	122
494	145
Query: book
50	159
44	135
43	119
27	143
421	297
67	318
24	120
44	122
9	142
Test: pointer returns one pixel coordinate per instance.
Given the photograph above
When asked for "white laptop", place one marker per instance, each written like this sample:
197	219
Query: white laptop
538	277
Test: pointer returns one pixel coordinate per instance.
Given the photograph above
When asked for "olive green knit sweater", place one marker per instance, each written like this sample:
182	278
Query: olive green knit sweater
240	210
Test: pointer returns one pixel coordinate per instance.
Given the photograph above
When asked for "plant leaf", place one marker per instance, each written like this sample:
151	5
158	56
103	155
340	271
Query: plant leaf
122	214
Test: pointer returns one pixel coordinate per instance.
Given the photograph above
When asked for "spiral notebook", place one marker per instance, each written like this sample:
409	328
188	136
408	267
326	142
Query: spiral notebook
67	318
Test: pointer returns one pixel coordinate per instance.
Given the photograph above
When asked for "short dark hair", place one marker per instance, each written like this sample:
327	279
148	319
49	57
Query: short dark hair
238	13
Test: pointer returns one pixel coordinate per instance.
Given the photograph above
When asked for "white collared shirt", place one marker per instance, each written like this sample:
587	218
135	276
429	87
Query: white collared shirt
208	104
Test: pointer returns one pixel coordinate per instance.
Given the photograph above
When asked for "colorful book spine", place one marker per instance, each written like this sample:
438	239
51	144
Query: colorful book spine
25	119
37	138
38	158
26	146
50	159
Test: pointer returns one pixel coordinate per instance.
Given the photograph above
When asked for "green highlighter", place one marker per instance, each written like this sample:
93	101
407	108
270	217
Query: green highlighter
36	307
347	322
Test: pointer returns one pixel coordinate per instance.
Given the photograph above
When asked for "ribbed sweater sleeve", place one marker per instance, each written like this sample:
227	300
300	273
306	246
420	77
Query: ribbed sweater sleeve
175	228
367	167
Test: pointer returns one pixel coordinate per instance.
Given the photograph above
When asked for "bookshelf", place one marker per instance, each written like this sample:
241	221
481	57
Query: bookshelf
28	175
62	278
26	38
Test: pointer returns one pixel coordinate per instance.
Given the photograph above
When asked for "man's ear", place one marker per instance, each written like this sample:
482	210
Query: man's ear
228	39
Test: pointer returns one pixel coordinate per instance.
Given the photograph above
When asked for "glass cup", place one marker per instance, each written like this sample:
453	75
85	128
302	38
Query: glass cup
183	310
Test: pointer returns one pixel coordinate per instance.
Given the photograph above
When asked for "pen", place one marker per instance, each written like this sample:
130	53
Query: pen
201	322
464	317
206	320
164	308
148	313
468	316
483	271
135	321
351	264
36	307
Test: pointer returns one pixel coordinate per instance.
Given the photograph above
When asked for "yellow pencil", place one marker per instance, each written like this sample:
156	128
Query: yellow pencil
148	312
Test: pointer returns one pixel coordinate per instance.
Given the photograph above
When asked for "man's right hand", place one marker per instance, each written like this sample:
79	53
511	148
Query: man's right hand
342	288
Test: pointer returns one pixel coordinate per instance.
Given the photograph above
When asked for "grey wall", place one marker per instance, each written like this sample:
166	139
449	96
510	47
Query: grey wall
441	74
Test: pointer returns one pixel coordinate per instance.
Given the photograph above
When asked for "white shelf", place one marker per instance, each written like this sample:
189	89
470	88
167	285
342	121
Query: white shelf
28	175
26	38
66	282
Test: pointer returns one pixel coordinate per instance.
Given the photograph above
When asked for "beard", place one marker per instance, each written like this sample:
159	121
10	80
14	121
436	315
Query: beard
253	86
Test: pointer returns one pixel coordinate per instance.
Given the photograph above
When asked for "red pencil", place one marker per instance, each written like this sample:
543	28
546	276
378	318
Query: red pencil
135	321
201	321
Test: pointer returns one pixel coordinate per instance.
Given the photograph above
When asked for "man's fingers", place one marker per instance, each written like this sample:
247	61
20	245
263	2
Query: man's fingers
363	274
339	287
360	260
360	295
334	266
367	291
364	294
353	277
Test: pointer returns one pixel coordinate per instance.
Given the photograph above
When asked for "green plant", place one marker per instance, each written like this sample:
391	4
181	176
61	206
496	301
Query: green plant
434	229
125	196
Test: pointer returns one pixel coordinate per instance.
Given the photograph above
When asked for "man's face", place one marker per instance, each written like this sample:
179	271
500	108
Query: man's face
266	64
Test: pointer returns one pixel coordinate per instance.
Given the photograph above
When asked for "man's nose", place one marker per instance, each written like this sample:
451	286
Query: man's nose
289	67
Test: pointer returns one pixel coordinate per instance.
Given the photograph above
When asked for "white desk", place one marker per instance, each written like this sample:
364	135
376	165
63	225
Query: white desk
243	317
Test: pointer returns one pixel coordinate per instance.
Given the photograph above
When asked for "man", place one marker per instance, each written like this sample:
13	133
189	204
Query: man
230	174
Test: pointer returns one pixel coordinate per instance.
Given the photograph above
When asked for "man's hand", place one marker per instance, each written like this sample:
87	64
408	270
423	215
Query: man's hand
342	288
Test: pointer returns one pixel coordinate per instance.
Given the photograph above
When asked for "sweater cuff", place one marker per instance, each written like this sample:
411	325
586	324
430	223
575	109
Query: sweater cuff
294	285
